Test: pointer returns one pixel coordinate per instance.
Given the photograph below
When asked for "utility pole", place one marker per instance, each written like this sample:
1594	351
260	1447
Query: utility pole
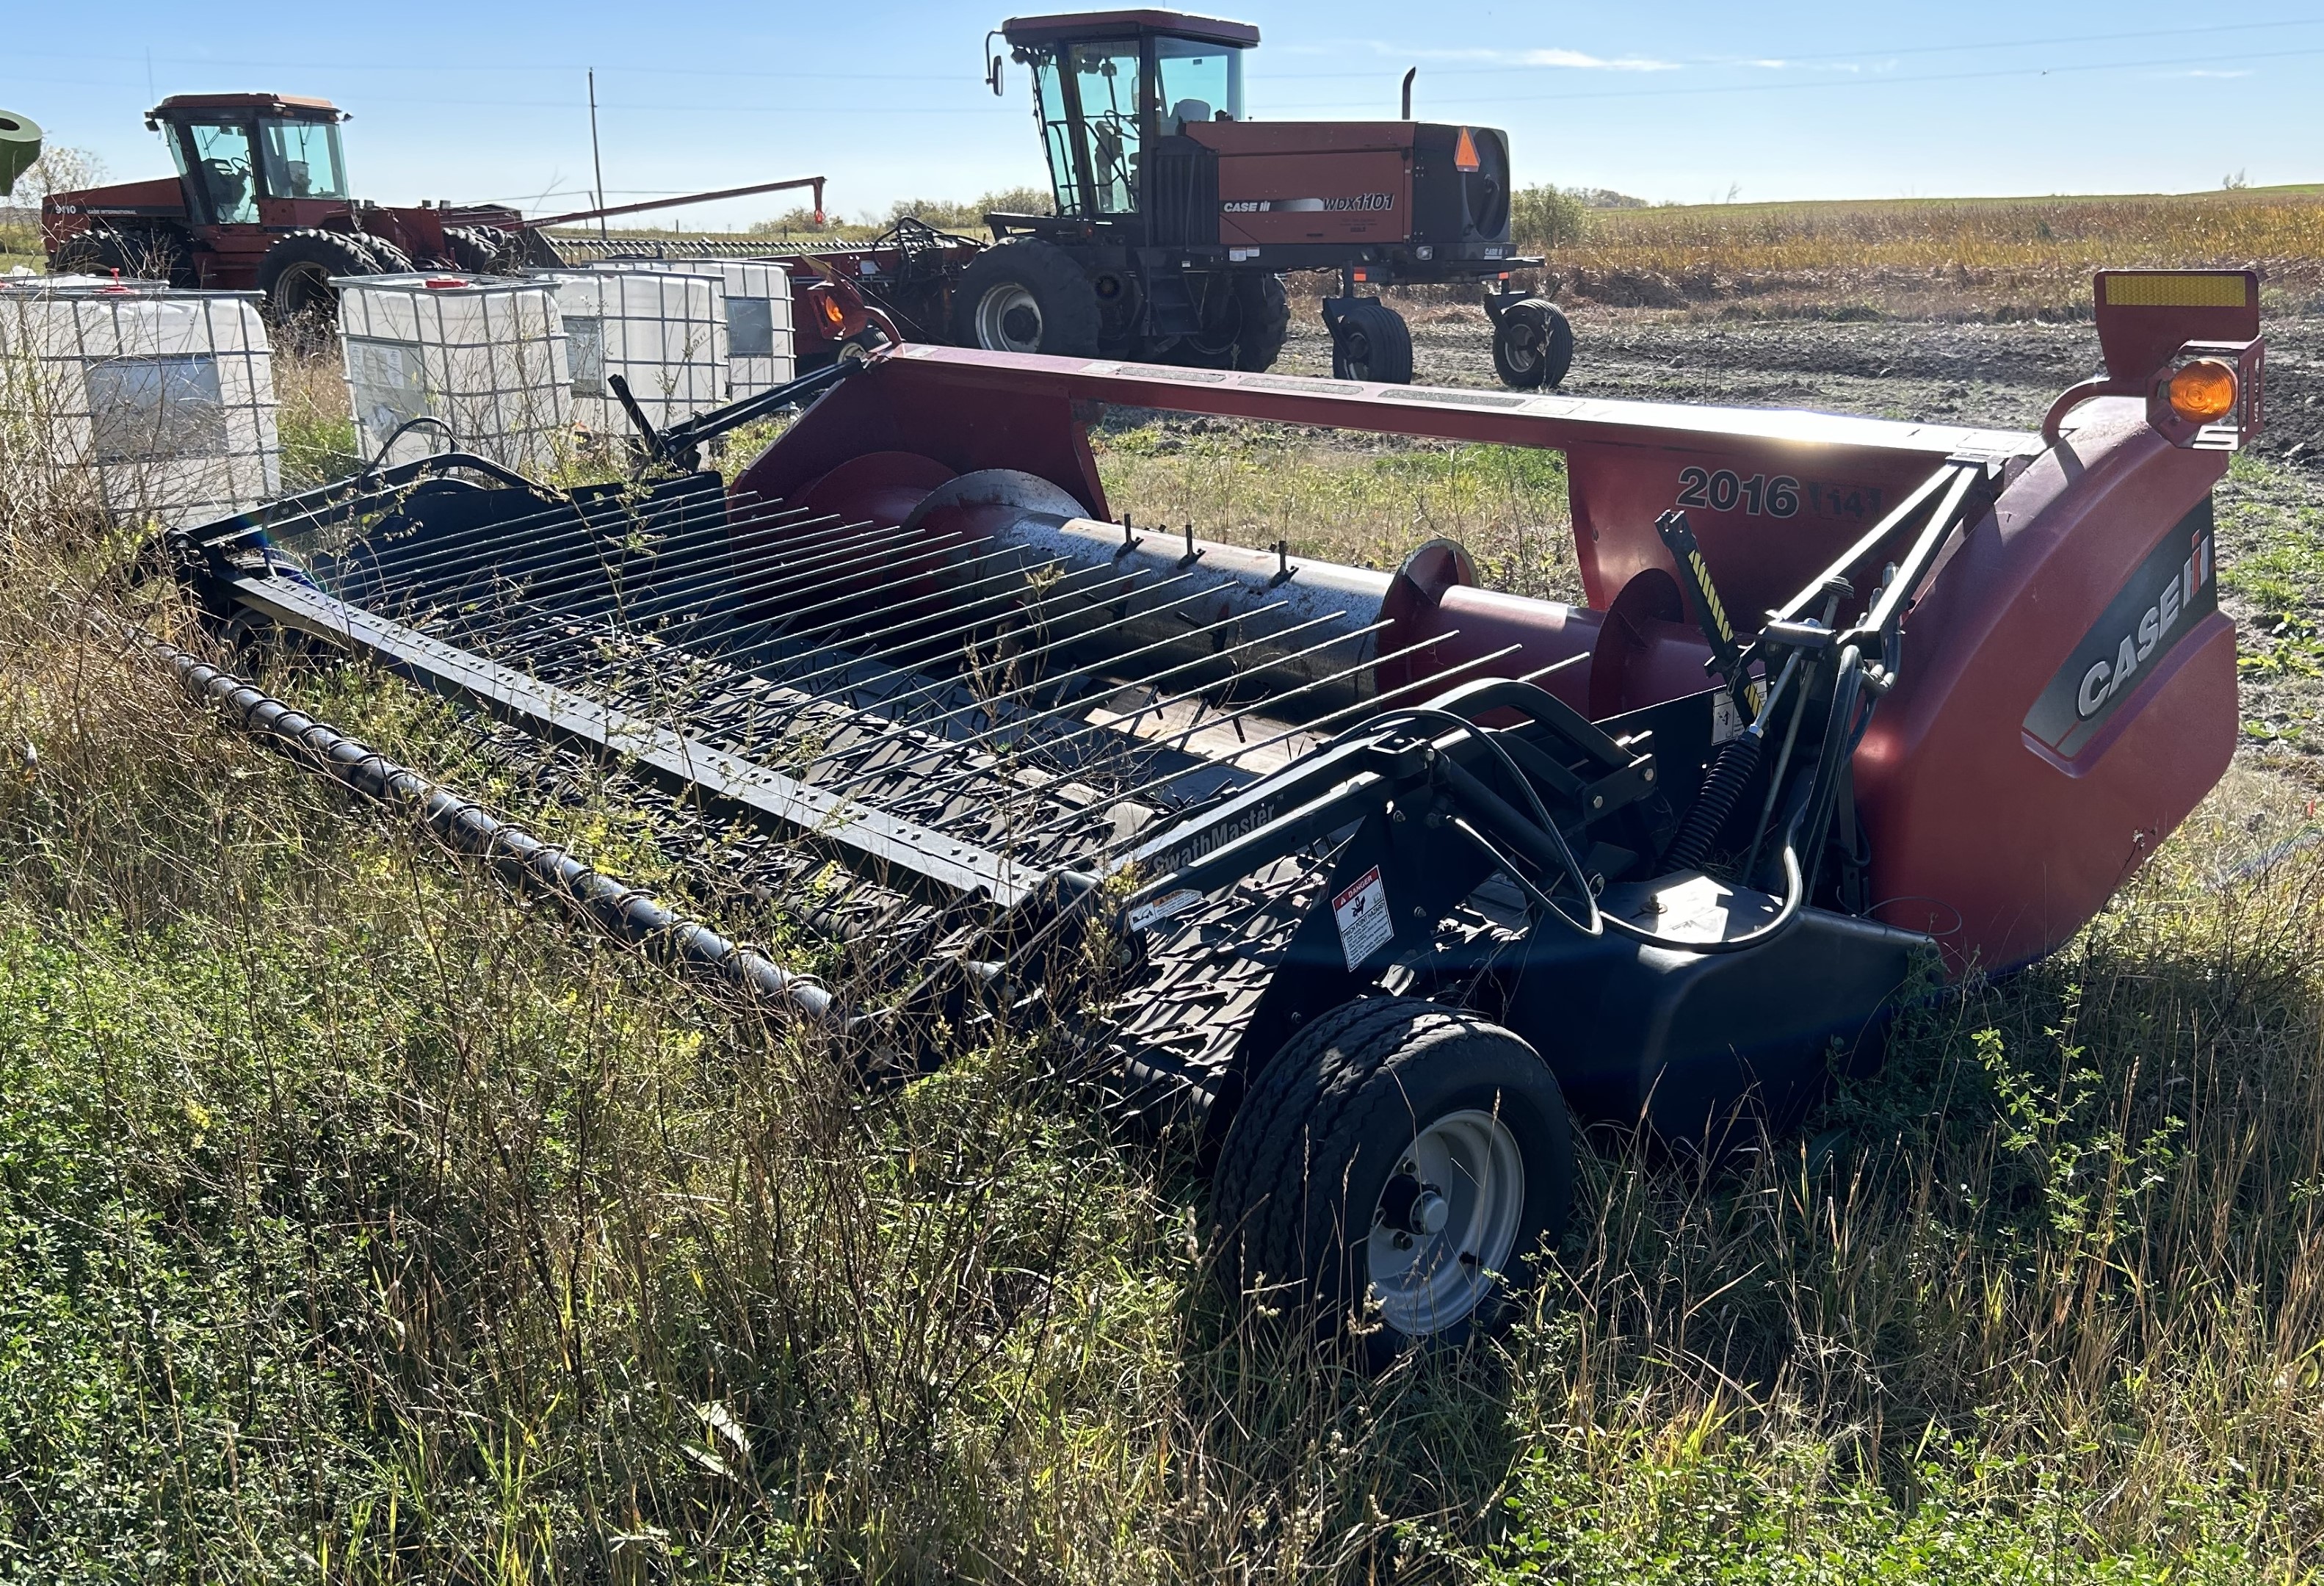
596	160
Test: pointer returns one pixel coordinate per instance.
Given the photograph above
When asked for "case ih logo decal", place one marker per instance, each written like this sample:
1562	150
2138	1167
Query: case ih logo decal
2172	590
1308	206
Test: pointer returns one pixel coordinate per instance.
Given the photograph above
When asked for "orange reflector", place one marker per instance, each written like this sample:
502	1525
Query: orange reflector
2204	391
1363	275
833	314
1464	153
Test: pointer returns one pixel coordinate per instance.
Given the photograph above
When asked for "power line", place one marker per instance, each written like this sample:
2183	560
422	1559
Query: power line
1855	82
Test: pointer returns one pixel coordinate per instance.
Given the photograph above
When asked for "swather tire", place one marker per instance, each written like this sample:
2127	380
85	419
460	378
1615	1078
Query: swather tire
386	258
297	270
473	249
1371	342
1024	295
139	253
1532	345
1327	1126
1266	322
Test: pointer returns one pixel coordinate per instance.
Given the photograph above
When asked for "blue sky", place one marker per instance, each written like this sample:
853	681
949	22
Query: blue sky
1681	102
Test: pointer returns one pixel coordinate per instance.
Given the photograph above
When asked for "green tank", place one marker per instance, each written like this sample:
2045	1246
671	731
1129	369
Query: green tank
19	145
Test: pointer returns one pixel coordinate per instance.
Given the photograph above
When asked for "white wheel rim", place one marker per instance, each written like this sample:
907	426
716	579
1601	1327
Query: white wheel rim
995	311
1427	1282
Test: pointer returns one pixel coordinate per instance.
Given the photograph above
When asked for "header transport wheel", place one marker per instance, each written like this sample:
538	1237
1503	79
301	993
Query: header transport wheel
1369	341
1390	1172
1532	345
1023	295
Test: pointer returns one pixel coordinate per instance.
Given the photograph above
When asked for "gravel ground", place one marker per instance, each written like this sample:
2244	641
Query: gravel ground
1976	374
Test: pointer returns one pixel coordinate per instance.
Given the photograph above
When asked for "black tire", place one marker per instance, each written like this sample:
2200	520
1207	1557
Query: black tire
1328	1130
139	253
386	258
1532	345
1371	342
1024	295
473	249
296	273
1266	322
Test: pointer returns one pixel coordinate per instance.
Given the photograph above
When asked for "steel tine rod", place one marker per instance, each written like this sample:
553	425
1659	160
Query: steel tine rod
582	526
713	526
1293	731
1129	744
883	610
937	687
652	599
395	500
986	702
935	745
690	518
1202	660
843	659
605	562
873	548
615	603
1061	590
1372	704
1106	732
1112	732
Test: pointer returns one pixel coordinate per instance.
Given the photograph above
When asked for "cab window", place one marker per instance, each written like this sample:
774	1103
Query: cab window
221	172
1106	76
302	160
1056	128
1200	82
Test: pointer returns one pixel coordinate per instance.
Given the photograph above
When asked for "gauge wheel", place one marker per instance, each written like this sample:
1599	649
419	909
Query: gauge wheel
1024	295
1389	1174
1370	342
1532	345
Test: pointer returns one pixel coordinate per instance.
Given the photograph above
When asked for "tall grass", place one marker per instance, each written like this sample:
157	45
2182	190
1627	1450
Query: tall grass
361	1223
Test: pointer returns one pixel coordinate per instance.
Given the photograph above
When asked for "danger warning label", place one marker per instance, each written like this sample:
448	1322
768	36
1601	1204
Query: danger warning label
1361	911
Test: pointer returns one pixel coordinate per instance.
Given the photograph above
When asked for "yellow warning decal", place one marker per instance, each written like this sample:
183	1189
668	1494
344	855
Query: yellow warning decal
2179	289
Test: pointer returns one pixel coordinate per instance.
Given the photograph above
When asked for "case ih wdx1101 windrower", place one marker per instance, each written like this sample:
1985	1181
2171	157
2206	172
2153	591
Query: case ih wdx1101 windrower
1392	872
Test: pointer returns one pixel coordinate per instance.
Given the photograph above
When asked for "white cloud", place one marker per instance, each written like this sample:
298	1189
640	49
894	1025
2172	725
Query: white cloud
1561	59
2200	71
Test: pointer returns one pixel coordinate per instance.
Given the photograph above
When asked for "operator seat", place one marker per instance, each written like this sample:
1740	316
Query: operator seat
1187	112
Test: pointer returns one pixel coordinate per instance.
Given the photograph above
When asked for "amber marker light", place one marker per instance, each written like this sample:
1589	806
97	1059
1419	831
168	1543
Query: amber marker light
837	317
2204	392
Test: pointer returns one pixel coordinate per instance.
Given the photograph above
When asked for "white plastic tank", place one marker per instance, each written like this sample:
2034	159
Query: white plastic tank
664	334
486	355
163	400
759	353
